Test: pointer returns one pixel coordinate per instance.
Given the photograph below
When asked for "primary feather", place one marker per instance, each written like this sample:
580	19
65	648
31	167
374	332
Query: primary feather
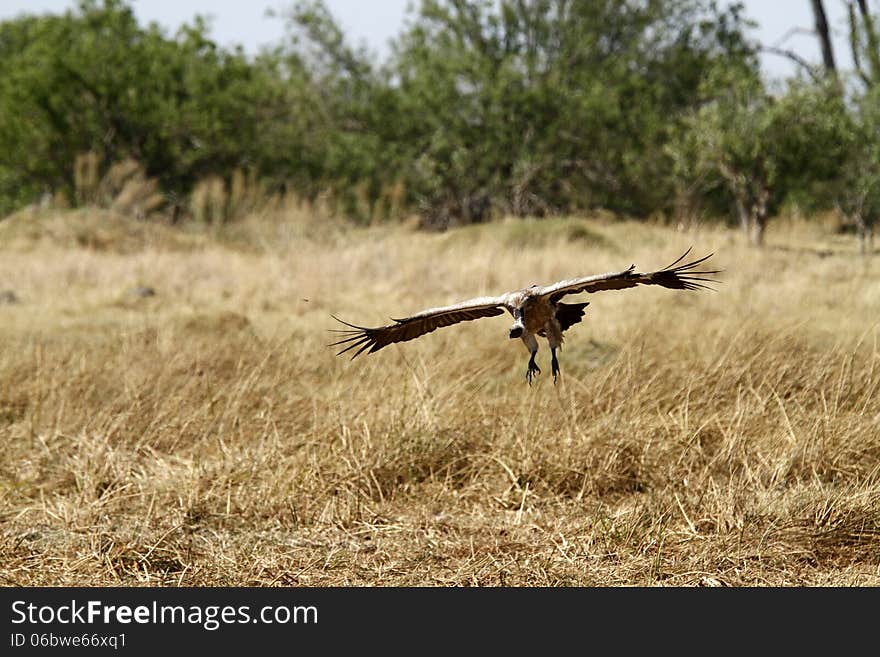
415	326
680	277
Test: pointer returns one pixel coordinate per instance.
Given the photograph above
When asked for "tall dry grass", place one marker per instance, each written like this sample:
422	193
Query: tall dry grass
207	436
124	188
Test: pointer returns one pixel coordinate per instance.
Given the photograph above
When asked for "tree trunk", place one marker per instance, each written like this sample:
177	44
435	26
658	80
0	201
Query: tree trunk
865	227
745	217
759	223
855	45
873	42
861	229
824	38
759	217
870	222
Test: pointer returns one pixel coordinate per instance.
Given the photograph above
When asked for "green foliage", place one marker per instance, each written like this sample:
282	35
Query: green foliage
547	106
761	149
93	80
855	189
523	107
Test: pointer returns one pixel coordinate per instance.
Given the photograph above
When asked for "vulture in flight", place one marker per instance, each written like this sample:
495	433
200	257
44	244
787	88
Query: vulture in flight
536	310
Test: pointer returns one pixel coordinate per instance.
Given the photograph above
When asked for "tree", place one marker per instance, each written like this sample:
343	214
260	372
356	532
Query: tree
856	188
763	149
94	80
556	106
524	107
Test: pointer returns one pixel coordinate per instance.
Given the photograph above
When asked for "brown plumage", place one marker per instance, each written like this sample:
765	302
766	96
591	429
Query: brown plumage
537	310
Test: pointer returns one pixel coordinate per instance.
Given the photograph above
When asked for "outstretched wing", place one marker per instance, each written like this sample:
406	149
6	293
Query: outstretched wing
409	328
675	276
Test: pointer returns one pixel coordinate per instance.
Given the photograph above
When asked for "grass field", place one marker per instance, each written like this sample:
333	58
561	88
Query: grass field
206	435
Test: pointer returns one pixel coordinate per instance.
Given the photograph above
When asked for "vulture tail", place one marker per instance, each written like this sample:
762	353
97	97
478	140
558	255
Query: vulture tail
568	314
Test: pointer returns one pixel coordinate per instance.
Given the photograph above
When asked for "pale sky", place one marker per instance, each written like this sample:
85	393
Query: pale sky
376	21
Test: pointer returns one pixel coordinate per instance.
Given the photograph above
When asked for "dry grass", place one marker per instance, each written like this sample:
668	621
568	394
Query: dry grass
207	436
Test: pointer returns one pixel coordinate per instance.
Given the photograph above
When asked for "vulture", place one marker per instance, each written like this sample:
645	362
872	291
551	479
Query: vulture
536	310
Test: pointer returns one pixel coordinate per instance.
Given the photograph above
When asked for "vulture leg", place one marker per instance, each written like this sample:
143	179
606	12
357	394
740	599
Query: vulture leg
532	345
554	338
533	369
